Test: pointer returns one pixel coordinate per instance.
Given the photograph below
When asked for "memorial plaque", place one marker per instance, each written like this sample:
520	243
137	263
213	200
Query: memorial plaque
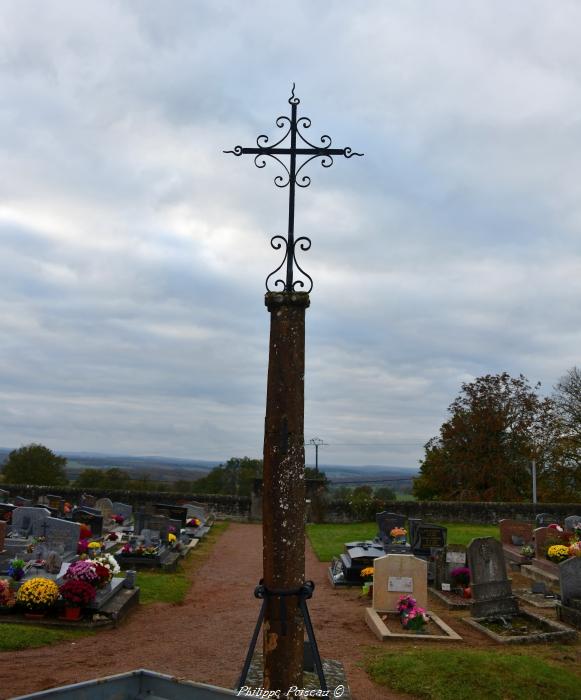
400	584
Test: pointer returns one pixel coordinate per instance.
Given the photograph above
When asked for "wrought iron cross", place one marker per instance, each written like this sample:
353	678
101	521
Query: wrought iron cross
293	178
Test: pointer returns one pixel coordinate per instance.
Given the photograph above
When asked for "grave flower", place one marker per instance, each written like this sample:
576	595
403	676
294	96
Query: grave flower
194	522
575	549
104	574
38	594
112	537
16	569
118	519
85	532
416	619
82	571
558	553
406	603
527	551
109	562
82	546
398	534
367	573
171	538
77	593
461	576
94	545
7	599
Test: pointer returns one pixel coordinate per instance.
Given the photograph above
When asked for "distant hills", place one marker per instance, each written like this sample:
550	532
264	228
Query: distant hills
175	468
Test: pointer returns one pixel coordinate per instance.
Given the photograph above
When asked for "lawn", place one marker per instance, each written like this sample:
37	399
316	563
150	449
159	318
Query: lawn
446	674
328	540
160	587
16	637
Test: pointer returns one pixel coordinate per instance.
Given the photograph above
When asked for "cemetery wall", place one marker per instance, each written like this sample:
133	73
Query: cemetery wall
320	509
233	507
340	511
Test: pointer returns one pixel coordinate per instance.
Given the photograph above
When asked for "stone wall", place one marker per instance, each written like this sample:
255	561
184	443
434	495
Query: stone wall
320	509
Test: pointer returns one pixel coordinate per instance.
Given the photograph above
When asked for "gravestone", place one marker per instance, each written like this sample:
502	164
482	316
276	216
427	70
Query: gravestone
21	501
88	500
545	519
4	495
396	575
544	537
158	523
122	509
6	510
572	522
62	535
90	517
515	533
196	511
176	525
105	505
2	535
412	525
491	588
356	558
386	522
448	559
170	511
29	521
56	502
54	563
428	537
569	608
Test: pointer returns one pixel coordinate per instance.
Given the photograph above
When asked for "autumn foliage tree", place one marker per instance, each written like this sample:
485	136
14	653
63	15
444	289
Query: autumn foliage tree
497	425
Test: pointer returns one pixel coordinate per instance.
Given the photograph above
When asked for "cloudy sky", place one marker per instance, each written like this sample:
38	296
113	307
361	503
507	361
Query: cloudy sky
133	252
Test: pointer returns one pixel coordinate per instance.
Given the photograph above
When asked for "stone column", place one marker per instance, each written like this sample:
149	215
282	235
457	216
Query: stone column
283	508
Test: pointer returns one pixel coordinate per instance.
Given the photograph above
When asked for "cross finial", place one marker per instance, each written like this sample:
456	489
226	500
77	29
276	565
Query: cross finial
299	146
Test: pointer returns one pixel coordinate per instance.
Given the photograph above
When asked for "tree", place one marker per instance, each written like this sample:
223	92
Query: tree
35	464
384	493
113	478
233	478
497	425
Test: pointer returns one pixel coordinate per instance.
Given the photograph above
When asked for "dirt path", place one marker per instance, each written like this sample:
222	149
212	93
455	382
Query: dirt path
206	638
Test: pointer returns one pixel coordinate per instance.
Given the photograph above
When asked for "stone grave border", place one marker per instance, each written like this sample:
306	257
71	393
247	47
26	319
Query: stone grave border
383	633
457	603
556	632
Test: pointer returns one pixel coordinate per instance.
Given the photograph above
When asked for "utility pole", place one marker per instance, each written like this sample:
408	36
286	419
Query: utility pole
534	474
283	587
316	442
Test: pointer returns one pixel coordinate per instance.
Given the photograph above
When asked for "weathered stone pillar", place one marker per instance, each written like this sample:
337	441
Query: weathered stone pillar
283	506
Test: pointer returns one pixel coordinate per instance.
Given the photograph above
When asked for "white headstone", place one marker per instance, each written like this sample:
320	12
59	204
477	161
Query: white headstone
396	575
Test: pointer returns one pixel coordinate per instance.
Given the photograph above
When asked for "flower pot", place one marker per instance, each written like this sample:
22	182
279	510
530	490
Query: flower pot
72	613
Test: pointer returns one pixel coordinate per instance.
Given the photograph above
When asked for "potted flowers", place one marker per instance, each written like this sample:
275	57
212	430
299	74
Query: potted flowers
398	535
527	551
193	522
367	576
83	570
76	594
461	579
558	553
37	595
411	615
7	599
16	569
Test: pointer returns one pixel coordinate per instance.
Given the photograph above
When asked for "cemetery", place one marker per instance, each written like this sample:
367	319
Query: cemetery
74	565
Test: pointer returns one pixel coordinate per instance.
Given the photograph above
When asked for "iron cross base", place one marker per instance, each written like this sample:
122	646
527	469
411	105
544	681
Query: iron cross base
303	593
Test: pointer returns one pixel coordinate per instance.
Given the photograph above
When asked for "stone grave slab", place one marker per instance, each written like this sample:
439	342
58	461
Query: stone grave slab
105	505
90	517
62	535
569	609
572	522
491	588
29	521
514	534
123	509
396	575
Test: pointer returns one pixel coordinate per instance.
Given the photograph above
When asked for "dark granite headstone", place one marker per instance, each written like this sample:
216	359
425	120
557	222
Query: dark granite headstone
170	511
4	495
491	588
450	557
6	510
429	537
386	522
90	518
545	519
355	559
56	502
570	579
21	501
539	587
88	500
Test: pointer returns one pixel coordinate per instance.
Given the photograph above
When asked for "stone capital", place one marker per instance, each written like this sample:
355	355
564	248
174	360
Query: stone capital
275	300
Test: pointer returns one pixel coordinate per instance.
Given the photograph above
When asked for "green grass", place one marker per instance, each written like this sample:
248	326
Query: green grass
328	540
16	637
438	674
160	587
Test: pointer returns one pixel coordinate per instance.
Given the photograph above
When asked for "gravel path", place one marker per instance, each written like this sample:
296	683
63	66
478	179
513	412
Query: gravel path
206	638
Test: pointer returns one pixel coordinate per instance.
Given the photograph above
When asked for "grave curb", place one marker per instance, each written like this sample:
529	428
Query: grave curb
381	631
560	634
